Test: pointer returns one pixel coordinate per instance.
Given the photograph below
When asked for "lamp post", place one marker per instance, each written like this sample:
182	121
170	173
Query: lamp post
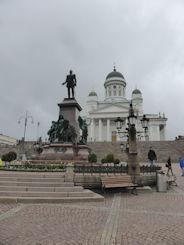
37	130
133	164
25	118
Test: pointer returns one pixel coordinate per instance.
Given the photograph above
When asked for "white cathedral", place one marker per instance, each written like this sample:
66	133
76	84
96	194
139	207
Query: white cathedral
101	115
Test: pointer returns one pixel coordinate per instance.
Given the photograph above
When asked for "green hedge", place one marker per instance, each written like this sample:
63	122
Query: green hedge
35	167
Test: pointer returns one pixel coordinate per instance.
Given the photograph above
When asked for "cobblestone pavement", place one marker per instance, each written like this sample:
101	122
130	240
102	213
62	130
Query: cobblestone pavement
122	219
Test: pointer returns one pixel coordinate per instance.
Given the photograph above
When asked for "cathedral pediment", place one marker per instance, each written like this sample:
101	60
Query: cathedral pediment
112	108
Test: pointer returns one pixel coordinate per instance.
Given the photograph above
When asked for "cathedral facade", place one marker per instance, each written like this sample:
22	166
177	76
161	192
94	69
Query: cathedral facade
101	115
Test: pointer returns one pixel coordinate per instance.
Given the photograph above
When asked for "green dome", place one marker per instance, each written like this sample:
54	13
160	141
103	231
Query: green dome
92	93
136	91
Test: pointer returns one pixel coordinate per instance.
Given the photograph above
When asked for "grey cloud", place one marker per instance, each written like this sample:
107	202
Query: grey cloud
42	40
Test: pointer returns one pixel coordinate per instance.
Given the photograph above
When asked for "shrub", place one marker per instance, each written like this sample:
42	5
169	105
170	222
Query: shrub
10	156
4	157
27	165
103	160
92	157
116	161
110	158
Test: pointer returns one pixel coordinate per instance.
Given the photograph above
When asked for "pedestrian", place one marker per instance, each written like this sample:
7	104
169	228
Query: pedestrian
152	157
168	165
182	165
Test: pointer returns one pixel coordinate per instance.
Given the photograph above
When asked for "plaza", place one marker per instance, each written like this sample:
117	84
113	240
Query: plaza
123	218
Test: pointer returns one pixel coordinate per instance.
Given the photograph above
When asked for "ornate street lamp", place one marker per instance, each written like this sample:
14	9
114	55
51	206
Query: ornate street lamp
131	118
144	122
119	123
25	122
131	148
122	146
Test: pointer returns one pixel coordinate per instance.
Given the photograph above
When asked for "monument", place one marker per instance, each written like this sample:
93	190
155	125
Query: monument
67	135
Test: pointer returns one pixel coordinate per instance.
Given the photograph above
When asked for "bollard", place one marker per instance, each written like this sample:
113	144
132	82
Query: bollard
69	174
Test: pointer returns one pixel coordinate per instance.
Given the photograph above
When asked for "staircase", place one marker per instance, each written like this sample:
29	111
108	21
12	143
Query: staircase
25	187
163	149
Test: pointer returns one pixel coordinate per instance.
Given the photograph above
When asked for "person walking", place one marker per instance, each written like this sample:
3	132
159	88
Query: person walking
152	157
182	165
168	165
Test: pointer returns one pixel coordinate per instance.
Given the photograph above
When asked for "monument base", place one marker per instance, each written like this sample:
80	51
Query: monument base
62	152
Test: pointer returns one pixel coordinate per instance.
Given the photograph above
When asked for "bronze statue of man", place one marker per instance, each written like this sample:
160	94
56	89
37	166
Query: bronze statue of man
70	82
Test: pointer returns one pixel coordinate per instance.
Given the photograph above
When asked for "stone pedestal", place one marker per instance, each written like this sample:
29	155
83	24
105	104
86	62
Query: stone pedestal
63	152
70	110
69	152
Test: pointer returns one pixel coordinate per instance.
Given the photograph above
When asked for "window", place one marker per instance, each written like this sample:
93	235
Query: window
119	90
109	91
114	89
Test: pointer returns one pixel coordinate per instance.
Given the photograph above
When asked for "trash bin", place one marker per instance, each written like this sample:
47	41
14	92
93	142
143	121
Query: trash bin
161	182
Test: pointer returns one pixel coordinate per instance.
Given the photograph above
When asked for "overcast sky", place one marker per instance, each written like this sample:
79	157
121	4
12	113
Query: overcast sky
41	40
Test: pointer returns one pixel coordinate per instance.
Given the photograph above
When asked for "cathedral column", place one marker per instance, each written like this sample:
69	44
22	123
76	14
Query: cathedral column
163	135
108	130
162	132
100	130
92	129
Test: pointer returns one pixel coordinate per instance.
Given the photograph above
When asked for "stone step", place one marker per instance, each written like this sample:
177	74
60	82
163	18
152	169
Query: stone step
95	197
163	150
83	193
36	184
24	179
30	175
41	189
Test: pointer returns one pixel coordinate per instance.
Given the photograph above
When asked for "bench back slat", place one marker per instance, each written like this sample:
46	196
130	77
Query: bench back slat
117	179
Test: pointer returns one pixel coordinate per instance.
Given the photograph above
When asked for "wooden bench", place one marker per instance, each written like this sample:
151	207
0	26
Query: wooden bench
117	182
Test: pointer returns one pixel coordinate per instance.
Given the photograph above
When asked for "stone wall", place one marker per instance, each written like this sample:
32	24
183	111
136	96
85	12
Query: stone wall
163	149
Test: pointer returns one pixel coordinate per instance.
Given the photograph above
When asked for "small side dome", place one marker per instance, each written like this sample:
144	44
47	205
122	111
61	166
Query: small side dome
92	96
136	94
92	93
136	91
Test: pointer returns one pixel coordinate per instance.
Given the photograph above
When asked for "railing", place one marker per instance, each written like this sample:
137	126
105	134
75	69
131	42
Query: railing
149	169
82	169
111	169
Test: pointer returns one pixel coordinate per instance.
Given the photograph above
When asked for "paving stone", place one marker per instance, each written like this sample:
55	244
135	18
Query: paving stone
122	219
